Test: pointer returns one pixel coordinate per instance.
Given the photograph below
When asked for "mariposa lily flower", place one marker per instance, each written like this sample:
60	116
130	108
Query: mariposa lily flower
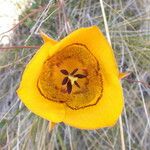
75	81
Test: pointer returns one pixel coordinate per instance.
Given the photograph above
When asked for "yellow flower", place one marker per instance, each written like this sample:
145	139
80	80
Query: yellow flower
75	81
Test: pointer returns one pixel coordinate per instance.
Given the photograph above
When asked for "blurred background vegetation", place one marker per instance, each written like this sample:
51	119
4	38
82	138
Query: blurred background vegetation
129	28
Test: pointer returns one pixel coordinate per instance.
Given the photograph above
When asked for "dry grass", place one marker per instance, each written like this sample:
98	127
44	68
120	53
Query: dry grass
129	29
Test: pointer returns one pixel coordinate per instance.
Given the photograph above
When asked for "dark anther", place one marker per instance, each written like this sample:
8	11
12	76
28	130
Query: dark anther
65	72
76	83
65	80
69	87
74	71
80	75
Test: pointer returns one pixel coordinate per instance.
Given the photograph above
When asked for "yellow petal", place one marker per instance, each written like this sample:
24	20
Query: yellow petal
123	75
70	58
96	43
103	114
47	38
107	110
105	103
29	93
51	126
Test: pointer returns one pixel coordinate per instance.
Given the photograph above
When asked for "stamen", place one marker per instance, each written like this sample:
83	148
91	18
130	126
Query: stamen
69	87
71	79
74	71
65	80
76	83
80	76
65	72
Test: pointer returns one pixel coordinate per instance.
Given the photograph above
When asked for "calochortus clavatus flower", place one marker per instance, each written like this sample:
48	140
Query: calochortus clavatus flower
75	81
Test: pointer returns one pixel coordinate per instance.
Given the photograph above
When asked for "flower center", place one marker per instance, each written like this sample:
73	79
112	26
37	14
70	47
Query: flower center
71	79
72	76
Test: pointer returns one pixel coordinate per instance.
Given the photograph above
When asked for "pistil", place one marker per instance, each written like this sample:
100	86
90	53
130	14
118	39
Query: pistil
72	79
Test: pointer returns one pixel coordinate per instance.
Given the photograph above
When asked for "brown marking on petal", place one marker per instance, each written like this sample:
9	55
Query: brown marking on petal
63	90
98	99
63	71
58	64
69	87
42	85
65	80
76	83
80	76
84	69
74	71
54	100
